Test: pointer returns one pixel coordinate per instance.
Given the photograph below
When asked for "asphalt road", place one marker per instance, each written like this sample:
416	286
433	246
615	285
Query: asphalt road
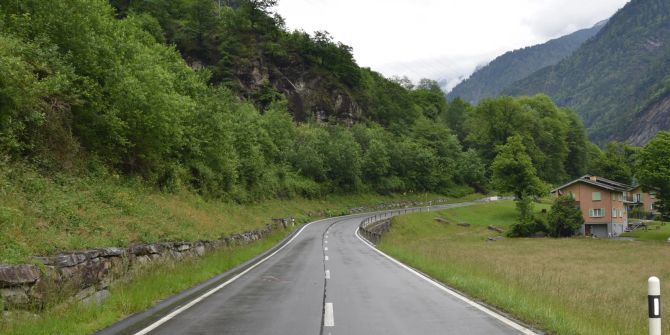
327	280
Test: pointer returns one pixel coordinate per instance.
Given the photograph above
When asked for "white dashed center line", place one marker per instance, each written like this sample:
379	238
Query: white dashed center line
326	257
328	317
327	274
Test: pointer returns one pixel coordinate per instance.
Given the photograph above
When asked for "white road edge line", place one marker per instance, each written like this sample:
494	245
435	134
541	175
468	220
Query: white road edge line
327	274
328	318
214	290
470	302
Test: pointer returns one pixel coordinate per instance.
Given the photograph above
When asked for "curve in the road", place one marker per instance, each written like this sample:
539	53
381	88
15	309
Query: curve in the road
327	280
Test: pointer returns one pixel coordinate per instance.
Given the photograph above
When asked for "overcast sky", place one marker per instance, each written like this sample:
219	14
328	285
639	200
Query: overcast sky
441	39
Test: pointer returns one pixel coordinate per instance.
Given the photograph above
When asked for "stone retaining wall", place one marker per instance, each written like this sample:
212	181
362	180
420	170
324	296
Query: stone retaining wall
87	274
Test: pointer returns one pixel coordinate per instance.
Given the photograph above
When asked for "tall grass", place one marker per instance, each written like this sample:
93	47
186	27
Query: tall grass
44	215
563	286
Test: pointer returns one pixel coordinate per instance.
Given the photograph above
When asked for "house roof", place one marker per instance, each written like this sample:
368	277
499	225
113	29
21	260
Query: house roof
598	182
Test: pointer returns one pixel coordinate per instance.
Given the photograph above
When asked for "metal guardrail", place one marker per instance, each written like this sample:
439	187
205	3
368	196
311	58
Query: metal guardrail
372	228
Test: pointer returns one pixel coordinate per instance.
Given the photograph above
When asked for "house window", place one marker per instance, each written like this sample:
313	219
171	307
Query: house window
637	198
597	212
595	196
572	195
617	212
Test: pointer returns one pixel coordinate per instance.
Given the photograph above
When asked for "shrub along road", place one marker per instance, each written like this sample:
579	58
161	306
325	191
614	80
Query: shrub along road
327	280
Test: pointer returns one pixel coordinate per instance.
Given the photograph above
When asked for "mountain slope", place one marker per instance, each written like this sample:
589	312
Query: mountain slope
619	82
515	65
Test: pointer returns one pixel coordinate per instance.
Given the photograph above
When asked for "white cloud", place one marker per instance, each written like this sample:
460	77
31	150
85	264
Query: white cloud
432	38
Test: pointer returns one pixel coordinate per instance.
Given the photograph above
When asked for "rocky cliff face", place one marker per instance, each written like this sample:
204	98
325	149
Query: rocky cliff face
650	121
310	96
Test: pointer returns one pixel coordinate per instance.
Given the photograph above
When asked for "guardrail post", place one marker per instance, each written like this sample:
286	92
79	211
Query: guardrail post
654	292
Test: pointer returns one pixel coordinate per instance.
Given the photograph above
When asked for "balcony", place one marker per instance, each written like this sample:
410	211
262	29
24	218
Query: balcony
632	199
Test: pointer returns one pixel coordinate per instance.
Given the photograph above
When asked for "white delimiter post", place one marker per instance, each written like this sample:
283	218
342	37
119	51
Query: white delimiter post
654	306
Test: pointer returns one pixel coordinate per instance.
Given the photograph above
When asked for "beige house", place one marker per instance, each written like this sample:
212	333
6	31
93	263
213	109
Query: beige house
605	204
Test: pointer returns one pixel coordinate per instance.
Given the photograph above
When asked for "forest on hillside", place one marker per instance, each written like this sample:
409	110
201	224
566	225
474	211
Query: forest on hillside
618	81
156	91
503	71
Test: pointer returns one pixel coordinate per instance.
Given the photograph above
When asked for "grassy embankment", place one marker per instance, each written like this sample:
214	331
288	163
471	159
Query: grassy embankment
563	286
41	216
655	231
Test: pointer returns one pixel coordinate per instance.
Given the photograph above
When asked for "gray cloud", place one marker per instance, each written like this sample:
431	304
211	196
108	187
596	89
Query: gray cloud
441	39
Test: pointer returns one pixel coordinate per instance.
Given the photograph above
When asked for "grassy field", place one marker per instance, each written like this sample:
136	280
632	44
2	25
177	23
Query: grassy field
42	216
563	286
127	298
655	232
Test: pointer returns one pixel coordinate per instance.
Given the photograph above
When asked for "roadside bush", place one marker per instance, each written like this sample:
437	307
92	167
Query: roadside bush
535	225
565	217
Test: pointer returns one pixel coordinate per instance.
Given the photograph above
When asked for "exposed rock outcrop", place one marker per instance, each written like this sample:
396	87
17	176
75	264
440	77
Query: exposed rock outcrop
650	121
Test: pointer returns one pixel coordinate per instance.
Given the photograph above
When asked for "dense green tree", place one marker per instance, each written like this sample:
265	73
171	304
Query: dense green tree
307	156
565	217
615	162
513	172
545	129
33	89
653	171
577	159
343	159
455	115
389	103
471	170
429	97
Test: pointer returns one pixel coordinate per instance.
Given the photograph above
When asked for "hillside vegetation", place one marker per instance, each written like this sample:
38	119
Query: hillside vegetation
132	121
503	71
95	92
618	82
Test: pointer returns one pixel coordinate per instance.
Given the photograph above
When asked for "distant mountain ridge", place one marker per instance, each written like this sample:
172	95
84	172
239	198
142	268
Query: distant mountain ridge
492	79
619	81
